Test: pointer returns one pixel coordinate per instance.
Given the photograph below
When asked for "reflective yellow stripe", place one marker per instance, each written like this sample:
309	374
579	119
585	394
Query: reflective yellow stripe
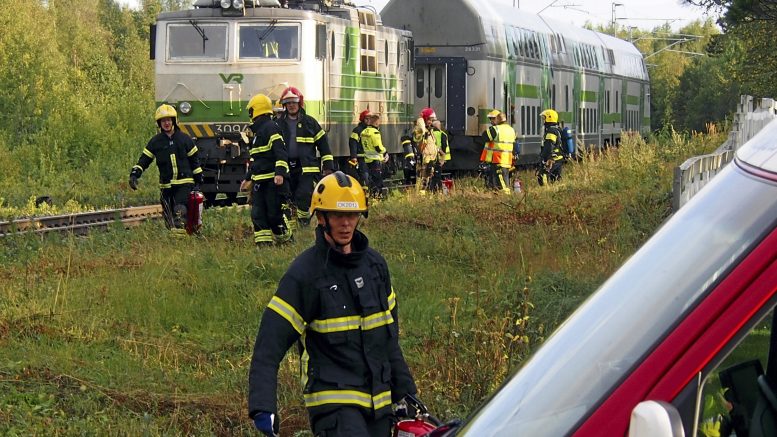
551	136
351	323
392	299
174	165
381	400
355	136
336	325
349	397
148	153
275	137
304	359
192	152
260	149
137	167
310	170
287	312
283	164
326	158
262	177
320	134
197	170
263	236
182	181
305	140
377	320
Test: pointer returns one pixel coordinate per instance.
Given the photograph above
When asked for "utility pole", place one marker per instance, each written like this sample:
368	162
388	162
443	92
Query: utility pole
613	23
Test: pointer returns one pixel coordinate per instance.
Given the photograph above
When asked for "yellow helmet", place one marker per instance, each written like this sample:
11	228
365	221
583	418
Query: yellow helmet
165	111
339	192
549	116
493	114
259	105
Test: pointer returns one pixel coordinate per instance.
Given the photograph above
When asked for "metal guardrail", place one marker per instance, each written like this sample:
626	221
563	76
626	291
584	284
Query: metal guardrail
81	223
752	116
694	173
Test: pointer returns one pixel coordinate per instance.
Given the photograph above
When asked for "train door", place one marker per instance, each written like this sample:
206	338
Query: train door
430	86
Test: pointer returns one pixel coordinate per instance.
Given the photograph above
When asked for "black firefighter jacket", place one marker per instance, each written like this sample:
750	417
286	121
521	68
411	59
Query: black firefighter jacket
175	156
268	151
344	309
310	136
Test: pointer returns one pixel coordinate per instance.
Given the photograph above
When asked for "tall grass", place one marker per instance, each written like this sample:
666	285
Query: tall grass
135	332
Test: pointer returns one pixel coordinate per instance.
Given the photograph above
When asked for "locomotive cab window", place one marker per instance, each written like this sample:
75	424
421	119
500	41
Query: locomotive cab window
197	40
269	41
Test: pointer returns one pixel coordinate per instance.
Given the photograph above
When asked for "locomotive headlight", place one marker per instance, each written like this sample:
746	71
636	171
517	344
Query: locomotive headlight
185	108
238	4
225	4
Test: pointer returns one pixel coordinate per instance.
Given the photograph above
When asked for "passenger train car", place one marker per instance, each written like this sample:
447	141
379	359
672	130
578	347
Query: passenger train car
461	57
474	56
210	60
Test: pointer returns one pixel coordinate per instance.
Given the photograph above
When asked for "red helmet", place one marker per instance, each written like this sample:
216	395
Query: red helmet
292	94
428	113
363	115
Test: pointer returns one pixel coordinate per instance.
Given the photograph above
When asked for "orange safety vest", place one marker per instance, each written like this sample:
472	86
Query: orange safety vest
499	150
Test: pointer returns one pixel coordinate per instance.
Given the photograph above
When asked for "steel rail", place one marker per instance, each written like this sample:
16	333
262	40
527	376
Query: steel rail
81	223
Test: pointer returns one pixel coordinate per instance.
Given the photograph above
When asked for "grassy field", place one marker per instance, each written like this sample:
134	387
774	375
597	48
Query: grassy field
135	332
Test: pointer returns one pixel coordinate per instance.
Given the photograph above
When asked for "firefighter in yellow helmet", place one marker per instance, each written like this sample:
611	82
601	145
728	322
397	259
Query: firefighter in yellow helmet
267	175
552	154
337	299
497	153
179	167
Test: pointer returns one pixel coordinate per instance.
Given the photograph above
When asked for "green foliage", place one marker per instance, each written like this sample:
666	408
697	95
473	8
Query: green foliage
75	87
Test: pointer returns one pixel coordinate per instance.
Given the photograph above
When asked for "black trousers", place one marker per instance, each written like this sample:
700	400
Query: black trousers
350	422
545	175
173	202
267	210
376	178
302	185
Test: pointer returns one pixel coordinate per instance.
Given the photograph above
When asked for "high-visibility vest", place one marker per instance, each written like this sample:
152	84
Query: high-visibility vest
441	138
372	144
500	149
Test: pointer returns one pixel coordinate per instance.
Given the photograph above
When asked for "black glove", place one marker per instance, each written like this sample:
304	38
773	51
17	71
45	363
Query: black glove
133	181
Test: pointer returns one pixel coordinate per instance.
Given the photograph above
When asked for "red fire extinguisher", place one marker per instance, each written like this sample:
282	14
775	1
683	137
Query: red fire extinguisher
417	425
194	212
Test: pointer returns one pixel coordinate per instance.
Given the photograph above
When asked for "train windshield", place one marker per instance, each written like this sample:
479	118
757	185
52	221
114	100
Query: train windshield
269	41
197	41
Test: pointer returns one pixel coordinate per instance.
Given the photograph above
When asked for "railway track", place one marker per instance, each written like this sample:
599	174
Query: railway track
81	223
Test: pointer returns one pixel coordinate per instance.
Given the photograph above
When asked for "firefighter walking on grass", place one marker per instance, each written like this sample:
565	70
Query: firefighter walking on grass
266	176
336	298
179	167
552	155
374	154
305	139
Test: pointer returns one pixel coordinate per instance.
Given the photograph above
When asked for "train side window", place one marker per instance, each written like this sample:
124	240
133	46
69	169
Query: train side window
607	101
553	96
399	53
386	52
617	102
523	120
419	83
333	45
566	98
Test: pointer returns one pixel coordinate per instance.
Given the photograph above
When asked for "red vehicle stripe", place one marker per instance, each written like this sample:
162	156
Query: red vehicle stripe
690	346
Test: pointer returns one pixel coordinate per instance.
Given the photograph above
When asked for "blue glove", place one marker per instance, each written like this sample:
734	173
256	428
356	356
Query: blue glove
266	423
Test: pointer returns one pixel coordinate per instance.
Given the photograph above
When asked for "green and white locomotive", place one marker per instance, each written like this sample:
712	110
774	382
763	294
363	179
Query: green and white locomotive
472	56
210	60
